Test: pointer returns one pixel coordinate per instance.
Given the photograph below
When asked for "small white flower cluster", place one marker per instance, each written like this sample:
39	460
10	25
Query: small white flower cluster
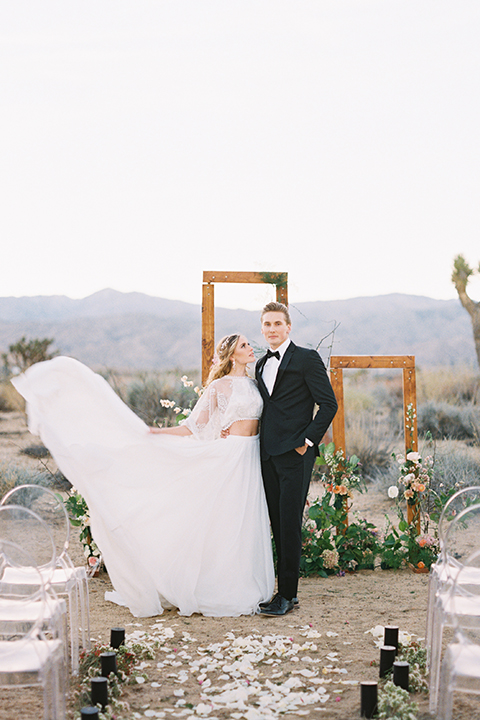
167	403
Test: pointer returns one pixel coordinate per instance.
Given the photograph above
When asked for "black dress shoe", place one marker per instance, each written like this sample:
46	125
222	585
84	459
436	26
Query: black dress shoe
296	604
278	607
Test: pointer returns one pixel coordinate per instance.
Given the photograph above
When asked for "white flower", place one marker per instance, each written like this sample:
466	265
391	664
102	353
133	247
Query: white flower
413	457
392	491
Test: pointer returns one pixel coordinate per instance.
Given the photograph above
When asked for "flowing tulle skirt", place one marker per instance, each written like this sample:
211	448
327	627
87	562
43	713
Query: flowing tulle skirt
179	522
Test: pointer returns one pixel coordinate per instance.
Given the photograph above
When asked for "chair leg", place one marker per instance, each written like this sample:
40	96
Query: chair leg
83	597
447	688
432	591
74	631
436	652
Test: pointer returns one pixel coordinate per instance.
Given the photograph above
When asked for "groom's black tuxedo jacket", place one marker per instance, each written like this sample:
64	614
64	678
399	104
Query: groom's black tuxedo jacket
287	418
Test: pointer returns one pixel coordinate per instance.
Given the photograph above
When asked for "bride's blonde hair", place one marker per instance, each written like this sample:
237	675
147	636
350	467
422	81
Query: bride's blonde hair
223	360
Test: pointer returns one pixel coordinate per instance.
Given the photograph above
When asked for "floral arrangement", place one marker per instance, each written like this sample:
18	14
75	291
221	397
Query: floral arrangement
415	475
78	513
343	473
325	552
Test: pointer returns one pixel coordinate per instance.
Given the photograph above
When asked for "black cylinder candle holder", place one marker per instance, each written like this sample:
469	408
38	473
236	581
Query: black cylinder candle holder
390	636
108	661
99	691
89	713
368	698
117	637
400	673
387	658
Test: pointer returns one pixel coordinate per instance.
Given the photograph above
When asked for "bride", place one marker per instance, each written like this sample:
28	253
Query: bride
179	514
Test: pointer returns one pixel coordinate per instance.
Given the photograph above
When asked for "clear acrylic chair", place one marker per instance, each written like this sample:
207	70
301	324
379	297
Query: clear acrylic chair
446	565
18	617
461	537
67	580
28	657
460	672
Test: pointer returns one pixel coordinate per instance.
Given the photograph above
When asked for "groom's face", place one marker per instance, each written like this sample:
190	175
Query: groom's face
275	329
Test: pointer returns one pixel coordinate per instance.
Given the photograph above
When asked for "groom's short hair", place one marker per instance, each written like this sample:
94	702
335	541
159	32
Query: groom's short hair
277	307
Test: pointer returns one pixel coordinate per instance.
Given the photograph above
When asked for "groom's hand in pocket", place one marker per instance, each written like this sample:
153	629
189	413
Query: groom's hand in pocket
302	450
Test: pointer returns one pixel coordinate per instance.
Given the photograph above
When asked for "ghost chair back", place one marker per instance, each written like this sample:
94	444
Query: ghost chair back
462	537
460	671
20	575
67	580
30	656
446	564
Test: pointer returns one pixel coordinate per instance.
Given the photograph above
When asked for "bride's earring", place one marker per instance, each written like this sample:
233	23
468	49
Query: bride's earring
233	363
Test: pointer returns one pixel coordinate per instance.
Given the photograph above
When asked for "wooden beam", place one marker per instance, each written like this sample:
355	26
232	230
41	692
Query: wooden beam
372	361
270	278
208	329
338	424
280	280
410	398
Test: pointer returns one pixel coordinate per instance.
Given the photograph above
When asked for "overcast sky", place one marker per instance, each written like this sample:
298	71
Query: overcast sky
142	142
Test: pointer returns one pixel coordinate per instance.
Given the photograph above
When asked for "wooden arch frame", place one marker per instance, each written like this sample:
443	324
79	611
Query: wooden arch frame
405	362
280	280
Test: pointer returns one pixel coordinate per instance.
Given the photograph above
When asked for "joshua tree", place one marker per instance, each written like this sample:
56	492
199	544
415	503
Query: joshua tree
460	277
25	352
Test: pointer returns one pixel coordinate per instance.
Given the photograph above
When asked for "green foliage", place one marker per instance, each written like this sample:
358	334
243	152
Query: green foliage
394	704
393	552
358	546
343	473
416	656
25	353
329	546
79	515
277	279
461	273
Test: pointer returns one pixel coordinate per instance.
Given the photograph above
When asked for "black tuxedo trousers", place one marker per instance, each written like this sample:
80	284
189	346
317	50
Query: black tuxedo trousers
287	421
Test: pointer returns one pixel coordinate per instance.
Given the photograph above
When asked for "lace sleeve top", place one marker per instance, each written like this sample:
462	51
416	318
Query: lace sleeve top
225	401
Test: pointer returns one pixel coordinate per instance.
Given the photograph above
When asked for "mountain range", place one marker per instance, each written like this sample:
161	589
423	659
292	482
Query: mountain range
134	331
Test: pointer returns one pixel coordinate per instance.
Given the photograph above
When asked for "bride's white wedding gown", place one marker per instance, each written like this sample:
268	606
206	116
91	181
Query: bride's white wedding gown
180	521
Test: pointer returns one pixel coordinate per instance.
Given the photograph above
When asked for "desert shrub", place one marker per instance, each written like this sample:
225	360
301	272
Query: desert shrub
10	400
443	420
147	394
372	441
455	466
36	451
12	476
456	386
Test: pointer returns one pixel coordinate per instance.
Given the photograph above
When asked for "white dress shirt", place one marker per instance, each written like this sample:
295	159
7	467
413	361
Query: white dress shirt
270	369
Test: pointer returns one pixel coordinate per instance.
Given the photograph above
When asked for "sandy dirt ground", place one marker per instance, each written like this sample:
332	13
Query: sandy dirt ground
313	659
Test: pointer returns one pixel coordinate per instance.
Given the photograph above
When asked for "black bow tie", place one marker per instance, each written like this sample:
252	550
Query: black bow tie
273	353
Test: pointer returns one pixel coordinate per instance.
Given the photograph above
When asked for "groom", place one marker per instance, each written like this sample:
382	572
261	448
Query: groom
291	380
